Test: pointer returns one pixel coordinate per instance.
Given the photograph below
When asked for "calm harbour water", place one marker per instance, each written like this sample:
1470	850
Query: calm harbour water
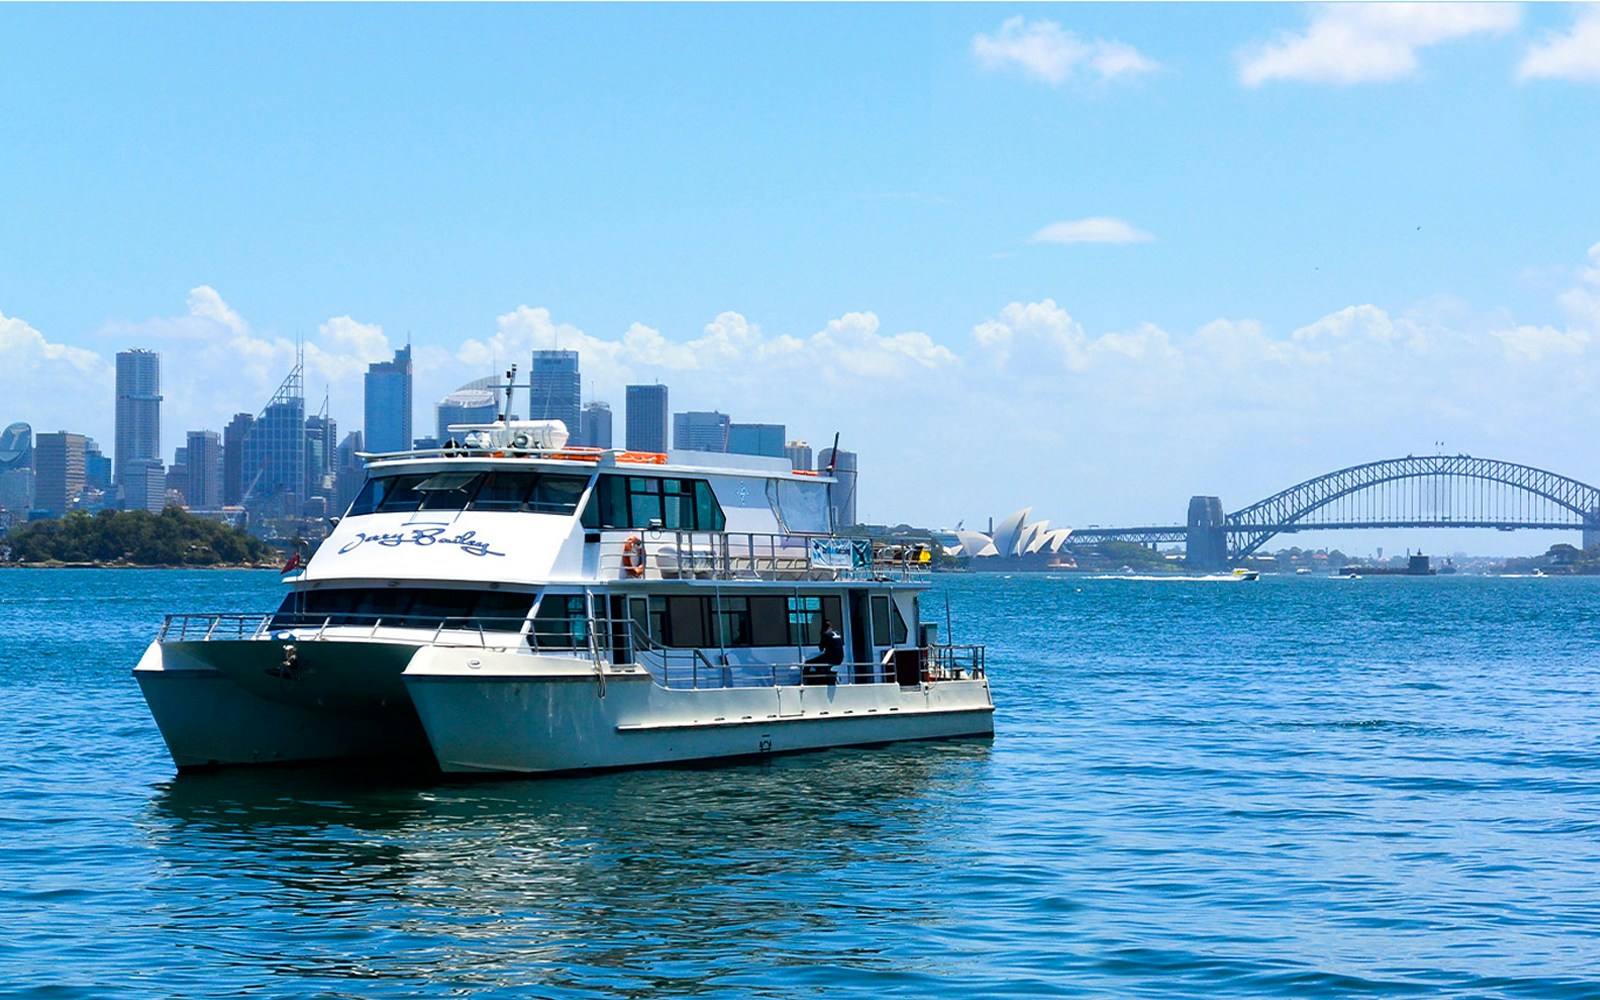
1300	787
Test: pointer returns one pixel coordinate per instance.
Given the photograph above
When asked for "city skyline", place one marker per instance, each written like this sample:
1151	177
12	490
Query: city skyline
1169	251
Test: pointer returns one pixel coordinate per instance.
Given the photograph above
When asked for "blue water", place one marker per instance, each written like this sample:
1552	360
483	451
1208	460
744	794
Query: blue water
1299	788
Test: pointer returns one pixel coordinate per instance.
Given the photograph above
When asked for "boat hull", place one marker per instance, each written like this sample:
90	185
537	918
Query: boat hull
230	702
495	713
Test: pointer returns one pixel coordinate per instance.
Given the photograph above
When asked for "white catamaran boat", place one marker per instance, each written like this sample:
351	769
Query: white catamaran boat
514	605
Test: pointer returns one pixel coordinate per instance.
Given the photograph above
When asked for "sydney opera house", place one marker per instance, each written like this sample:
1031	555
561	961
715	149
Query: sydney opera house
1014	542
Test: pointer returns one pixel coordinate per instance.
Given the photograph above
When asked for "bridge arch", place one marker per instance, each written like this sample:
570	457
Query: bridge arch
1420	491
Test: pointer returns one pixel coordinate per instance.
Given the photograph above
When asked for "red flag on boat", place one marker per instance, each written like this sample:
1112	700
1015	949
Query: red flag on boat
292	563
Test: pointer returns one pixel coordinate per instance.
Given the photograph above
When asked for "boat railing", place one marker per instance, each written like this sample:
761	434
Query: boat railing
607	641
443	631
666	554
700	668
203	627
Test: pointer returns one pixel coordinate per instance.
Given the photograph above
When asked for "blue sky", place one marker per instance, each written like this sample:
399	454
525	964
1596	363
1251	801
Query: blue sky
1118	254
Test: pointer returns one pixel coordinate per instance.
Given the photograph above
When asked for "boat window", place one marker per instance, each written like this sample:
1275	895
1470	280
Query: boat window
897	625
449	490
504	491
637	501
880	620
539	493
405	607
561	622
806	615
733	621
686	621
557	494
400	494
769	622
644	625
387	493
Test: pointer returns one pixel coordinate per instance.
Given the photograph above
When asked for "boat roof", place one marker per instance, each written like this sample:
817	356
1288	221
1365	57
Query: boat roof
675	461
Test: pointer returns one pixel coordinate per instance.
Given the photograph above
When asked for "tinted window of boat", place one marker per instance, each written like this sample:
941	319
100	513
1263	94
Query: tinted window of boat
636	501
504	491
399	493
387	493
708	513
560	622
531	491
733	621
405	607
897	625
880	620
769	622
806	615
449	490
557	494
686	621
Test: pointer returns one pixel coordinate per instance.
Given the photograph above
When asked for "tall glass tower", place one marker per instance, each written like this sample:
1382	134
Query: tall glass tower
138	418
596	431
555	390
274	467
387	398
647	418
700	430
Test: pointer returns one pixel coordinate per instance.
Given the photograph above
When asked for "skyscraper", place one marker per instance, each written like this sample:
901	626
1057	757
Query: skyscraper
16	447
555	389
58	458
352	471
144	485
234	479
700	430
322	446
204	461
798	453
756	439
138	420
274	469
16	468
647	417
596	425
842	495
477	402
96	468
387	399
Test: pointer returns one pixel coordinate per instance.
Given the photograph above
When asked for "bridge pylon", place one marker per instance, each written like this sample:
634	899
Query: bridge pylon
1206	545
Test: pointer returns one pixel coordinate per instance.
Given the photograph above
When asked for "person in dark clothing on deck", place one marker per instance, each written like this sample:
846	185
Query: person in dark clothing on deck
819	669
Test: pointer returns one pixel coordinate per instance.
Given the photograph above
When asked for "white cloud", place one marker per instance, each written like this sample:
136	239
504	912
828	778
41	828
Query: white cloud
1092	230
1362	43
206	304
1229	405
1572	56
50	380
363	343
1046	51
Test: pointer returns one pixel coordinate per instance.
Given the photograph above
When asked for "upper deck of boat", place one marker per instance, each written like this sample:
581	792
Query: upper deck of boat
604	515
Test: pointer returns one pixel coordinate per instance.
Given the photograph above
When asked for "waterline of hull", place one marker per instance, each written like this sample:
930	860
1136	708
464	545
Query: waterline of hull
234	702
515	716
484	711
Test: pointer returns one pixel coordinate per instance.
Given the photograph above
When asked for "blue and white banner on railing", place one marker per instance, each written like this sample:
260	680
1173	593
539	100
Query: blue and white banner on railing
841	553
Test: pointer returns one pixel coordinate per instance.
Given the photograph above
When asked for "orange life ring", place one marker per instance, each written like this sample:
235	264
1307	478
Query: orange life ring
633	556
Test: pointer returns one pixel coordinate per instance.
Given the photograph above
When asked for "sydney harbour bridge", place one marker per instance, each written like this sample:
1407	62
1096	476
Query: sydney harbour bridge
1431	491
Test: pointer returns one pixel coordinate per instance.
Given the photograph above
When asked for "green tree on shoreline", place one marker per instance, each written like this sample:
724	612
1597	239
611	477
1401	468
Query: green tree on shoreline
135	537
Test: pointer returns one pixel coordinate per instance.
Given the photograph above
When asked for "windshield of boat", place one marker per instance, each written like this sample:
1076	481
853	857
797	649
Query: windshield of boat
501	490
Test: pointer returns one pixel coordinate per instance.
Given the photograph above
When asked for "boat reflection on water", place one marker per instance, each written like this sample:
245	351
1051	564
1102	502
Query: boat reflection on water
619	882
